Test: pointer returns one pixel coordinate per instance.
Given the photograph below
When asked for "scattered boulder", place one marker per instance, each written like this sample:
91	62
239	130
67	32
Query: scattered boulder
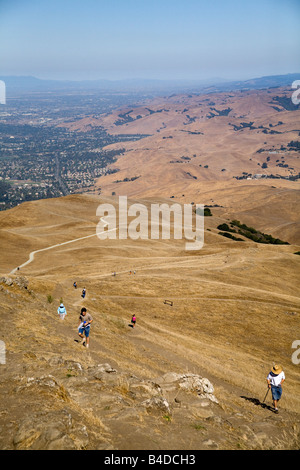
106	368
69	364
145	389
99	371
7	281
73	366
157	404
19	281
189	383
210	444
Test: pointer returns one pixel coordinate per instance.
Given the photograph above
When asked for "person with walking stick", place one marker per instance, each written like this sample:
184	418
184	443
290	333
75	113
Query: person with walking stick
275	380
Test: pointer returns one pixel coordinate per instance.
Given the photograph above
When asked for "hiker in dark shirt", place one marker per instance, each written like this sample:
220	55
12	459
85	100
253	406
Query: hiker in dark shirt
85	320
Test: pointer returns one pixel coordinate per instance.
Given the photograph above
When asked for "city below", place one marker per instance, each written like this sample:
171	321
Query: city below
41	160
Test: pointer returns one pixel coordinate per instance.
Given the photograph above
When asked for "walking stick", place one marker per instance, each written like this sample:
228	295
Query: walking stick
266	395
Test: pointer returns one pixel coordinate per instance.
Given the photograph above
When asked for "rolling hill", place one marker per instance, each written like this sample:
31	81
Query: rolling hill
219	148
211	322
191	374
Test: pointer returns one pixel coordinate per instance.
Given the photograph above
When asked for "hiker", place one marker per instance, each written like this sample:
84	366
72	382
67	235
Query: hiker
85	320
62	312
133	320
75	285
83	293
275	379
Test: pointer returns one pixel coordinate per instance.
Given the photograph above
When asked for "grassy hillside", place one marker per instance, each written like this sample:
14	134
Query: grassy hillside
235	310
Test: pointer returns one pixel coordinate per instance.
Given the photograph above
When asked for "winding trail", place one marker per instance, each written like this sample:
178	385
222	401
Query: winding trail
32	254
175	263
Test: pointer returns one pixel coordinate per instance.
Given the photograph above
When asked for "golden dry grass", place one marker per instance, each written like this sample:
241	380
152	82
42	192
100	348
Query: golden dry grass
235	304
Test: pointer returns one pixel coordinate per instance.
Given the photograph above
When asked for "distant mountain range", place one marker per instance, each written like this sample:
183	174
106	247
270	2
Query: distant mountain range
22	84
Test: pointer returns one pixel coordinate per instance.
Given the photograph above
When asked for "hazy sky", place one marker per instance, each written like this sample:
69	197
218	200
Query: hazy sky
163	39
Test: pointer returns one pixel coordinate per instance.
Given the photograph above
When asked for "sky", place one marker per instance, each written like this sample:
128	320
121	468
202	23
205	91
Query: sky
149	39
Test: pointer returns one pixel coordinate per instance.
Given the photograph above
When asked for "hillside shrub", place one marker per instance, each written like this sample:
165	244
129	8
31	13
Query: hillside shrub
255	235
232	237
207	212
225	228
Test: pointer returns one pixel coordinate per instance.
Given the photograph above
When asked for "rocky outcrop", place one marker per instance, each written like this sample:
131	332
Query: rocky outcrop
78	406
75	405
189	383
20	281
53	430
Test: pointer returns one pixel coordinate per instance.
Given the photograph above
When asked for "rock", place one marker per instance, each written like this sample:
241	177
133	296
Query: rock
145	389
195	383
21	282
45	384
99	371
188	382
100	368
107	368
157	404
55	430
69	364
6	280
168	381
25	435
73	366
211	444
171	377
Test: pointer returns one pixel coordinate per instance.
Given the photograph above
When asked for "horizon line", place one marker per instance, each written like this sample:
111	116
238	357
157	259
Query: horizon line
149	79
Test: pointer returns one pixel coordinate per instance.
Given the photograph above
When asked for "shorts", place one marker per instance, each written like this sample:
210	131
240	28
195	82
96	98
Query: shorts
276	392
85	330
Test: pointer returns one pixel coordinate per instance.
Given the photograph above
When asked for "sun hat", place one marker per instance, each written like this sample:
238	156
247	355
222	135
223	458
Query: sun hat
276	369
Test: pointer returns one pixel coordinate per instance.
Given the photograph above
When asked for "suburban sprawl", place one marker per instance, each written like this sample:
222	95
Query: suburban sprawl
39	159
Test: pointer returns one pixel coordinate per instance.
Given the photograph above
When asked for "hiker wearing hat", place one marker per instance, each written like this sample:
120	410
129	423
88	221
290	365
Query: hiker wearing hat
275	379
62	312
